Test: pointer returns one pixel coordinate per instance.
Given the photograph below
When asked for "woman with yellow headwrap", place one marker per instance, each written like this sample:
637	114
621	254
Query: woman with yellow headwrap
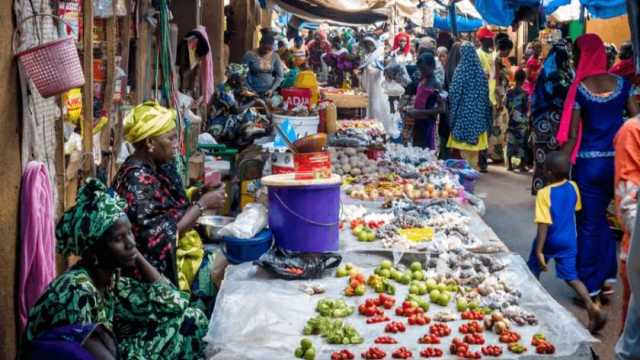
157	204
149	318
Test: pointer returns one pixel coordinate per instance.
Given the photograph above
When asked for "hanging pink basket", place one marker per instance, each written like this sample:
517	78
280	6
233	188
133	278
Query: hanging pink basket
54	67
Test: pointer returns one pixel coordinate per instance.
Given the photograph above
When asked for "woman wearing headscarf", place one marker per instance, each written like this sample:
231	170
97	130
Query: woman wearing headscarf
333	60
372	76
266	71
161	215
150	318
232	117
317	48
592	115
401	51
469	106
547	102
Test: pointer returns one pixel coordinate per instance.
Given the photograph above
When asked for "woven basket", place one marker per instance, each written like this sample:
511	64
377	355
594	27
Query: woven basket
54	67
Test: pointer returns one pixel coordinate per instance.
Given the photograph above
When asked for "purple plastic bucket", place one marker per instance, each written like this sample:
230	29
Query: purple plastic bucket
305	218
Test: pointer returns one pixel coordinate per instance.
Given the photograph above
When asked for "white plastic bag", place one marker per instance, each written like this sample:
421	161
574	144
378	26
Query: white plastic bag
246	225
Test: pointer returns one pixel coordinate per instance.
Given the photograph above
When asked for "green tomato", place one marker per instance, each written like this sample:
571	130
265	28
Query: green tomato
310	354
341	272
405	279
441	287
434	295
396	275
305	344
418	275
415	266
386	264
431	284
348	266
359	291
385	273
299	353
371	236
414	289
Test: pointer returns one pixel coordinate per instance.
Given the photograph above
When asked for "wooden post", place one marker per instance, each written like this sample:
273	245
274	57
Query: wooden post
88	166
142	49
126	44
213	20
244	20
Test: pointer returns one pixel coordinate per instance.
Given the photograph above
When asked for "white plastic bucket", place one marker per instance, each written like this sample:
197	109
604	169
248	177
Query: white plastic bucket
304	125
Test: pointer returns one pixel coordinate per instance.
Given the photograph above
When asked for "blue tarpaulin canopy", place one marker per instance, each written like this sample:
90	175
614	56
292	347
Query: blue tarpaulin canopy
463	23
502	12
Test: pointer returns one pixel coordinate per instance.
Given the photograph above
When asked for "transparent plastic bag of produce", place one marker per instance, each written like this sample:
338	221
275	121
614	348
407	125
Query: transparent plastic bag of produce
246	225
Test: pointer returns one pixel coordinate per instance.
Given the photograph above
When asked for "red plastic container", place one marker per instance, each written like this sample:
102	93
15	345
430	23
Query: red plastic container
309	166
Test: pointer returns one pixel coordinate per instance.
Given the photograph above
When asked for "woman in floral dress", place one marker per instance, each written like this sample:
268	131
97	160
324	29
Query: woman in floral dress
161	215
150	319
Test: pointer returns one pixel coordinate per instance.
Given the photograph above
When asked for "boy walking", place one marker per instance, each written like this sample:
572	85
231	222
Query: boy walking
556	206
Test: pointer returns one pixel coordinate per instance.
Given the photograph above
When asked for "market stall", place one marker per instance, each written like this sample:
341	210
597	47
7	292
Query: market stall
280	316
421	274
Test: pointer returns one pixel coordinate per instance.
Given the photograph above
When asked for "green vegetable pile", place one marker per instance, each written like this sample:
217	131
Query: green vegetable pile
335	331
306	350
334	308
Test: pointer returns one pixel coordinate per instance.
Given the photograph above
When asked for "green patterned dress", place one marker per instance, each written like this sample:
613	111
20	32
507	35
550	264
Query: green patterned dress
150	321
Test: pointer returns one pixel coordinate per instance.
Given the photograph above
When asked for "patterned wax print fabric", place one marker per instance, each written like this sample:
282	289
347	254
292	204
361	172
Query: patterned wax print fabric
546	108
150	321
95	211
156	201
469	106
517	104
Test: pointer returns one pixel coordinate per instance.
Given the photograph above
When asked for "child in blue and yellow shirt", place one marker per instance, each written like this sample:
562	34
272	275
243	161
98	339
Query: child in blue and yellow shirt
556	206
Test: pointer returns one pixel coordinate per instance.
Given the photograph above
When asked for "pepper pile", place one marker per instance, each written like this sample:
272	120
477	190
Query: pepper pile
542	345
461	349
419	319
431	352
374	353
395	327
378	319
335	331
408	309
508	337
402	353
385	340
342	355
429	339
517	348
472	327
492	350
472	315
474	339
440	330
356	285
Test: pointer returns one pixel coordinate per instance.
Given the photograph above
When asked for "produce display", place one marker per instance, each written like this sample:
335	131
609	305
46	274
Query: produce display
305	350
358	134
408	225
433	312
481	306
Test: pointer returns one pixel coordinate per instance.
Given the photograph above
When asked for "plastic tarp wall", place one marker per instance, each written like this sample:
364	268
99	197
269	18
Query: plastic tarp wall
463	24
502	12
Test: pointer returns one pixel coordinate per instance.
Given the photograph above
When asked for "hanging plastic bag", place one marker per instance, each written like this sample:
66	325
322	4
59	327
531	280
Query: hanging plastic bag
395	132
294	266
246	225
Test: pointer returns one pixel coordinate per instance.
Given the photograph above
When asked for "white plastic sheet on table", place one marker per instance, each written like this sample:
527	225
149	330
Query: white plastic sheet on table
260	317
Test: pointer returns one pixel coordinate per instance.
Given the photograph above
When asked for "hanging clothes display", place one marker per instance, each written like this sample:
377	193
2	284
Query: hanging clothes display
37	240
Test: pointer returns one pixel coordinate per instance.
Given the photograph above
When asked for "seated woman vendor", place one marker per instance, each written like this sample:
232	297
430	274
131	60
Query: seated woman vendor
266	71
158	207
233	120
150	319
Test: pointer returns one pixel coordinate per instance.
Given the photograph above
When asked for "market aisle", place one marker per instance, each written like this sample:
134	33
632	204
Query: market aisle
510	210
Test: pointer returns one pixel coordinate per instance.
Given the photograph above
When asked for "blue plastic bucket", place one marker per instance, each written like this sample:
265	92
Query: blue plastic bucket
304	215
238	251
